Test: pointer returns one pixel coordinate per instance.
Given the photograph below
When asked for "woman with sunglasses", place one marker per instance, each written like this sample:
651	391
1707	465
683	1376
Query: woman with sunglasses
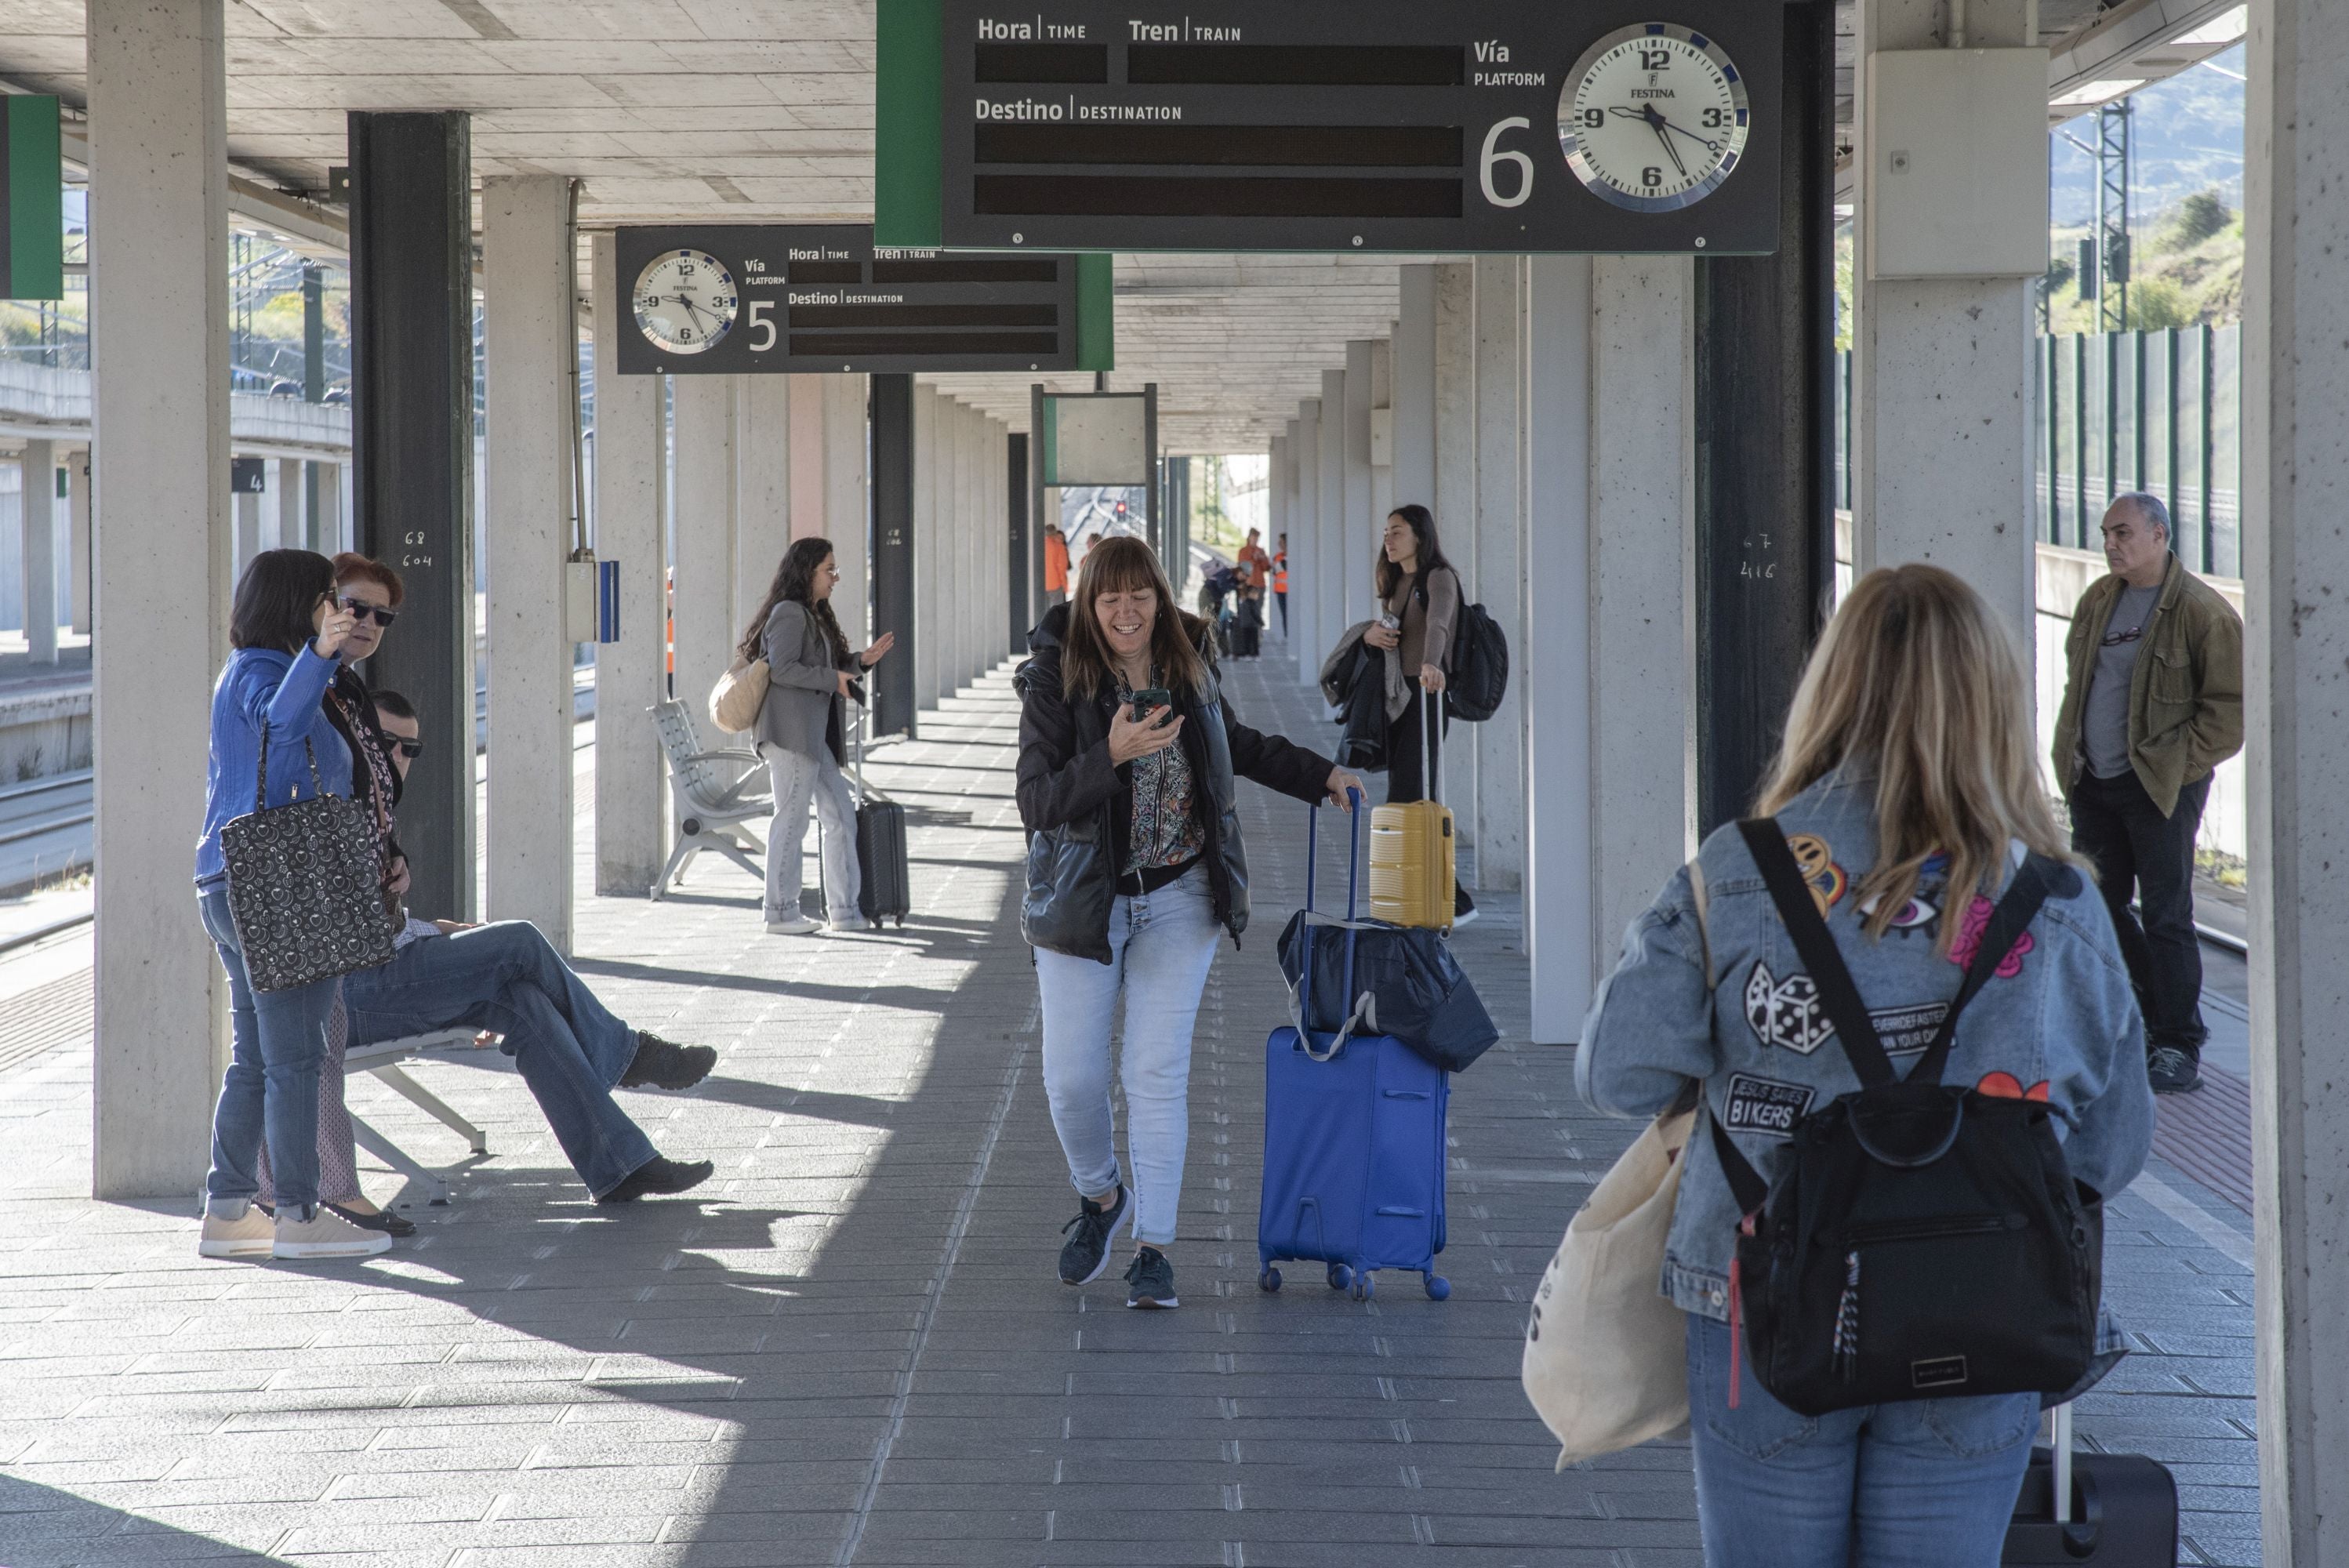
289	634
369	593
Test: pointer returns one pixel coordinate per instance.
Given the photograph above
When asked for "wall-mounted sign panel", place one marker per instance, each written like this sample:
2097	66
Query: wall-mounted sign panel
735	299
1605	127
1095	438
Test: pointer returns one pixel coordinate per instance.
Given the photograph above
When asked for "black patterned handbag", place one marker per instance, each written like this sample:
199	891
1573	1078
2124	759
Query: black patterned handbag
305	886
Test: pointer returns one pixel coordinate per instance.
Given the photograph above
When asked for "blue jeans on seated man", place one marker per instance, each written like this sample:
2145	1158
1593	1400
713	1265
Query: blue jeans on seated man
1930	1483
277	1043
506	977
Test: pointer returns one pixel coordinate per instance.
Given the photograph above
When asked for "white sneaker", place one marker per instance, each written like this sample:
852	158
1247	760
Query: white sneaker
842	925
797	925
329	1236
248	1236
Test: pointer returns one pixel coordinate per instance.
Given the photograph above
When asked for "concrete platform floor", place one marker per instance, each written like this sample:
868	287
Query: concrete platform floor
850	1347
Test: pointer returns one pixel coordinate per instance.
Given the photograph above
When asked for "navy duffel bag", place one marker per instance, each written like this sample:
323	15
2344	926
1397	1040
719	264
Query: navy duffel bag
1373	978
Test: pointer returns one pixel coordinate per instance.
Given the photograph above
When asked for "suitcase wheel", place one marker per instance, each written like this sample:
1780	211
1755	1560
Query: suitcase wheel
1438	1287
1364	1288
1269	1280
1340	1276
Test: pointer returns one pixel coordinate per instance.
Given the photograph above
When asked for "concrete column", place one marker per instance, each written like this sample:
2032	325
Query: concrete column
1383	483
333	535
290	534
805	411
1305	565
960	525
77	570
527	276
1557	655
930	632
1333	596
631	480
845	505
1413	398
249	541
1942	454
1497	549
1642	715
1276	519
703	494
1454	501
762	492
1360	529
37	512
159	349
2295	564
994	551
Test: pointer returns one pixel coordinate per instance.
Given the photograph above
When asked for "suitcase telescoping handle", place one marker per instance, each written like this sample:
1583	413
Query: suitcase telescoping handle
1356	804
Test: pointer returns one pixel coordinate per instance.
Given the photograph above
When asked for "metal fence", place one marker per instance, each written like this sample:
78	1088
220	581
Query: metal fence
2157	410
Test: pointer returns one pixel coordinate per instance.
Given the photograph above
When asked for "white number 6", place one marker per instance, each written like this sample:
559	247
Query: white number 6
1525	165
758	321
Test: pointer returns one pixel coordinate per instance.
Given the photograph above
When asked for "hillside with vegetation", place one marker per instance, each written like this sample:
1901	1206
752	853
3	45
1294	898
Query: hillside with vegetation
2188	270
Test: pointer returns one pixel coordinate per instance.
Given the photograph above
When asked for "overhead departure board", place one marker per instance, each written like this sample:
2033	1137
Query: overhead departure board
1598	126
735	299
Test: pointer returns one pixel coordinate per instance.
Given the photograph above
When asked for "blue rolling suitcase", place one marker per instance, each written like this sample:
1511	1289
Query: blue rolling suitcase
1353	1139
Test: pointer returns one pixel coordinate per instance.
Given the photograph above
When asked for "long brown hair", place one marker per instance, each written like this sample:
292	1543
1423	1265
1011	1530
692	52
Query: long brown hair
1916	676
1125	564
795	581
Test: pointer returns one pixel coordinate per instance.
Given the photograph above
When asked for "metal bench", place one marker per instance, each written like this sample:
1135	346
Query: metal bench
716	794
385	1059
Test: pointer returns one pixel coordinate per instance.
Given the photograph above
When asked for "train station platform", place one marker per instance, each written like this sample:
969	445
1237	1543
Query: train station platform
850	1347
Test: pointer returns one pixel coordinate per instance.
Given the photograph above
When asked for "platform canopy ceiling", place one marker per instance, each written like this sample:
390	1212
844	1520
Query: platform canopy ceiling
743	110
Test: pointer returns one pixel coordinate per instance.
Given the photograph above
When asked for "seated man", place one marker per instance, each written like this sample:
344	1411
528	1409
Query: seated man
507	979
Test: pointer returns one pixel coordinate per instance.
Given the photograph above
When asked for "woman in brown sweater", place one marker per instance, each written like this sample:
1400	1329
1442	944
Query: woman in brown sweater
1420	594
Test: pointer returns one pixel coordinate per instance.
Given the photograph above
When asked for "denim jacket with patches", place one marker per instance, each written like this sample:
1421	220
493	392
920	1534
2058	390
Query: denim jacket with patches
2057	1022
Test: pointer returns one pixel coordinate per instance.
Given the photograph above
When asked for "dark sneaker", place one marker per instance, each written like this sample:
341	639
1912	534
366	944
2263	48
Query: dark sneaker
659	1176
664	1064
1463	908
1085	1255
2173	1069
383	1220
1150	1282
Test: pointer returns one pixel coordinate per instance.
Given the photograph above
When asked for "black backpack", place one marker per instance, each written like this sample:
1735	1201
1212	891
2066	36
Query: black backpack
1479	676
1923	1240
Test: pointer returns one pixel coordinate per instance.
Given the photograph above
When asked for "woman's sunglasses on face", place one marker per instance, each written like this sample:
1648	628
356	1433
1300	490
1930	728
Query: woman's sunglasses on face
360	610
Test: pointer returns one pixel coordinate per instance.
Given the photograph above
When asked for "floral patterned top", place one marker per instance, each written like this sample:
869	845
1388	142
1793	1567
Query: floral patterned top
1165	830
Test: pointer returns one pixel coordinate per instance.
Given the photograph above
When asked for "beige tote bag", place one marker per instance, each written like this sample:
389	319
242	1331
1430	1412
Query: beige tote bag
1606	1362
740	692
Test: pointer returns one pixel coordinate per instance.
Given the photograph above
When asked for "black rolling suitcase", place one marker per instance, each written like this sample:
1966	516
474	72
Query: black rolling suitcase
2123	1509
884	892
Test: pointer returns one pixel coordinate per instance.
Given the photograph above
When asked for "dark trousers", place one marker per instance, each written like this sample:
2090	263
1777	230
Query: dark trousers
2139	851
1283	596
1409	774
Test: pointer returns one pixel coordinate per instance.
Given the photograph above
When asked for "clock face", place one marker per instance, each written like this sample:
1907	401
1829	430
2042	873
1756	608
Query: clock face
1653	118
686	302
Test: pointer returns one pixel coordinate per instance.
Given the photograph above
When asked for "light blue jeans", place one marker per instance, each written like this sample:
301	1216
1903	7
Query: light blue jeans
1930	1483
1160	944
277	1043
569	1048
797	780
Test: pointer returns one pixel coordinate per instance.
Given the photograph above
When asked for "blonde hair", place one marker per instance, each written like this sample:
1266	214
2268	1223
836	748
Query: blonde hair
1915	677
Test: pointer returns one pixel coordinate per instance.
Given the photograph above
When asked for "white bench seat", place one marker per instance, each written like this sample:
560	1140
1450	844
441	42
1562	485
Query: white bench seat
385	1059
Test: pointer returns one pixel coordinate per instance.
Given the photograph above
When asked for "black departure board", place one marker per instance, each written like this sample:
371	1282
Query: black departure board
1601	126
734	299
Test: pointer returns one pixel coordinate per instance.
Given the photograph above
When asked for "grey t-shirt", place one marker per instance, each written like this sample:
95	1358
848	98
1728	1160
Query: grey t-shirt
2104	721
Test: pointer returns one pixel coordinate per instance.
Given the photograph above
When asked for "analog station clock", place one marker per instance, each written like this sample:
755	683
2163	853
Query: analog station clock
686	302
1653	118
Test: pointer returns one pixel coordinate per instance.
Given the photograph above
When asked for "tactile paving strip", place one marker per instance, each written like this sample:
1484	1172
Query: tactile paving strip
45	1017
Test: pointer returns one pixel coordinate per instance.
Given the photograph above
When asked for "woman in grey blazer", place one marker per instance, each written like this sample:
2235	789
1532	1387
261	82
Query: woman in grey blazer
801	733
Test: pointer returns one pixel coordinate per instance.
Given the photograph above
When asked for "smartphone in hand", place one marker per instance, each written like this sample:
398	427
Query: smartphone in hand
1150	700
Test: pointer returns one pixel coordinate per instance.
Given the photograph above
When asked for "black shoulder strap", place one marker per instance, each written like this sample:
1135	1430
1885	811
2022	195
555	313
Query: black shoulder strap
1792	894
2016	909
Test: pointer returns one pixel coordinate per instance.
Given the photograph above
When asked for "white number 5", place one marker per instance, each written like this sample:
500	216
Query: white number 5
1491	157
759	322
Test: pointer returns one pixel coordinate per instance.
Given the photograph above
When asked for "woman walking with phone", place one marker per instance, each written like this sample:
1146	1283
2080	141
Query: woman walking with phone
801	733
270	704
1128	751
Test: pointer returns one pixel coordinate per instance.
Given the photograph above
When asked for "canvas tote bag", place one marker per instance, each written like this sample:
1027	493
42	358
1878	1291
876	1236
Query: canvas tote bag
740	694
1606	1359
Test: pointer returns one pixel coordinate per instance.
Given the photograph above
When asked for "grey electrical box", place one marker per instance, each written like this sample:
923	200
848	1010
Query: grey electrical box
1955	184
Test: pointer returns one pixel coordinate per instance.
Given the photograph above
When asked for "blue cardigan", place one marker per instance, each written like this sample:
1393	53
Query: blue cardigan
285	693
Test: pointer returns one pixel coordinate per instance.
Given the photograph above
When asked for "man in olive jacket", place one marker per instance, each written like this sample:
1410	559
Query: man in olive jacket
2153	700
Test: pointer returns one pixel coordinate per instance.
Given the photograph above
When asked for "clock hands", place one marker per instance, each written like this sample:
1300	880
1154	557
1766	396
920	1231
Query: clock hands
1645	112
1659	125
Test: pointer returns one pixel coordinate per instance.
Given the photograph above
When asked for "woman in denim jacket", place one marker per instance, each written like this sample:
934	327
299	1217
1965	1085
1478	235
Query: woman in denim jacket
1909	792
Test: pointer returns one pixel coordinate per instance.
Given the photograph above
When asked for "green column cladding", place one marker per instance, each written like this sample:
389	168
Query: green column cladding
907	182
32	192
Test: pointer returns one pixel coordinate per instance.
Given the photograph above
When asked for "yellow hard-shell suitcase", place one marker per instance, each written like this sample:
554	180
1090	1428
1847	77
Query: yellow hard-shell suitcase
1411	871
